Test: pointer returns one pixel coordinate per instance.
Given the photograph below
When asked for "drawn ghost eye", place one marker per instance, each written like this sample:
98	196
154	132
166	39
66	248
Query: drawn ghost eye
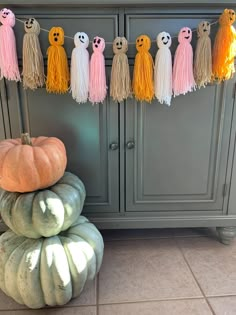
94	40
208	24
138	40
183	31
168	37
82	37
57	34
121	43
99	41
163	38
31	22
188	31
141	39
54	34
117	44
79	36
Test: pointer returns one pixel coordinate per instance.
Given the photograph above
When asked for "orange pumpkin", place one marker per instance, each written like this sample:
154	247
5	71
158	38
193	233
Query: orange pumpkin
30	164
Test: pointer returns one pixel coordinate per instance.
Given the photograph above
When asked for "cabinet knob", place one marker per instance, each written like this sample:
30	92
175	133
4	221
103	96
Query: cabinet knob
130	145
114	146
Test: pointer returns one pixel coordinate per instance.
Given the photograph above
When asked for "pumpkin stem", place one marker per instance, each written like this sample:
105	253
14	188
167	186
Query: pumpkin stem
25	139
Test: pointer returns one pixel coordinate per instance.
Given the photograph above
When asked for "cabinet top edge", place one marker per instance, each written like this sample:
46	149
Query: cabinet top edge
117	3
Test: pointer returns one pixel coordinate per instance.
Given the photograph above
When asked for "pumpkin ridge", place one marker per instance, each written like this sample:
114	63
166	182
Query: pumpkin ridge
28	283
11	271
28	173
50	218
13	151
54	158
66	241
42	164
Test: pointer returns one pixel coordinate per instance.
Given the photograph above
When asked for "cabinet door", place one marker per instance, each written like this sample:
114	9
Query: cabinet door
86	130
180	155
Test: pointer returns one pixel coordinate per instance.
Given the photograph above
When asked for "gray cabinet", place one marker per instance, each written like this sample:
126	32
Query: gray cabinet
170	167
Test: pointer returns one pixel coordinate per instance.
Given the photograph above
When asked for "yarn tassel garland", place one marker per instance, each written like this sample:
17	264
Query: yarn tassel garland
203	58
8	56
97	75
143	85
163	69
33	67
58	72
224	49
80	68
120	85
183	79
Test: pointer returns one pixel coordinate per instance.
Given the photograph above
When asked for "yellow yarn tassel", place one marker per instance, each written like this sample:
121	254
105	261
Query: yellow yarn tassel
224	49
57	69
143	85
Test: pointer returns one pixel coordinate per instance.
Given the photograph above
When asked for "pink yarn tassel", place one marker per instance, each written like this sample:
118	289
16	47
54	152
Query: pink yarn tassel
8	56
97	76
183	79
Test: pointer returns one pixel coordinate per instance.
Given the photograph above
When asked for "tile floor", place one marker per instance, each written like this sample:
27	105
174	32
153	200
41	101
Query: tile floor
152	272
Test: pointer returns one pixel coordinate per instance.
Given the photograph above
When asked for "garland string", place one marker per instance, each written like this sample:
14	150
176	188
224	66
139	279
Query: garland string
153	41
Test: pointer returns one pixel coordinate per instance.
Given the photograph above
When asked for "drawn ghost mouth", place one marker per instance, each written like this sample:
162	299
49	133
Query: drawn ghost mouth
140	45
81	41
55	39
165	43
28	26
187	37
119	48
231	19
3	16
204	30
96	45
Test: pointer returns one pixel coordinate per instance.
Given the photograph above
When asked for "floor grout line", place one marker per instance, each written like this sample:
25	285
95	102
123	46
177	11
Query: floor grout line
153	300
195	278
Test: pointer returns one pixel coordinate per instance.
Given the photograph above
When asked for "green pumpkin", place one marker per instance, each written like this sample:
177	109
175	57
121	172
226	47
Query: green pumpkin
50	271
44	212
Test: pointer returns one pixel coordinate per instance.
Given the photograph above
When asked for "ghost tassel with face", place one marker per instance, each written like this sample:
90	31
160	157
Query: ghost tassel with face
33	67
203	59
183	79
163	69
120	86
224	49
58	72
143	85
8	56
79	73
97	75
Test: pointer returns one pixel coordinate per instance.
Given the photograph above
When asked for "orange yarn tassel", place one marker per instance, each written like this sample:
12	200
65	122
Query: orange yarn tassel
224	49
58	71
143	85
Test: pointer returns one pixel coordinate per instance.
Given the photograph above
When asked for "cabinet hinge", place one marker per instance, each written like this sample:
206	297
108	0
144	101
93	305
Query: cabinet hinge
225	189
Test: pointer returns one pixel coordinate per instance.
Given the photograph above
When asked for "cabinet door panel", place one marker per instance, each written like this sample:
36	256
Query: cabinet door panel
180	154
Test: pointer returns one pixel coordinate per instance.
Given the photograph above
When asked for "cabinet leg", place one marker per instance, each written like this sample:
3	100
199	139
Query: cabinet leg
226	234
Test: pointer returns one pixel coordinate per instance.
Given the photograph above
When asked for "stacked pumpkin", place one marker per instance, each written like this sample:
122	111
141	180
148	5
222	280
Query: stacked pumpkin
51	251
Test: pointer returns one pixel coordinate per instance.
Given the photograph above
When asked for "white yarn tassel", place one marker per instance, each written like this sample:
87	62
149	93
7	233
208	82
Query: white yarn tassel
163	69
80	68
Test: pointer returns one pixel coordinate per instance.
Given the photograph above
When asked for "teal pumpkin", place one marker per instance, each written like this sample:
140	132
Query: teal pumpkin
44	212
50	271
